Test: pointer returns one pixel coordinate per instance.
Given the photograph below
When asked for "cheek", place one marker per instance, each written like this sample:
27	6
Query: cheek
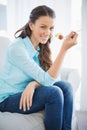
37	31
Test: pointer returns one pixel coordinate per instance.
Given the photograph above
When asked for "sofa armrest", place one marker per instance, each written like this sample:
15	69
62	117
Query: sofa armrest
72	76
4	42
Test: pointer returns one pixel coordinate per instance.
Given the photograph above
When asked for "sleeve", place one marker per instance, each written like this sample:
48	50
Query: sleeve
20	58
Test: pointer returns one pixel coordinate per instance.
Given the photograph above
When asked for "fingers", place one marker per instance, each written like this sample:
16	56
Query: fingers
28	105
73	35
74	38
25	102
29	101
21	102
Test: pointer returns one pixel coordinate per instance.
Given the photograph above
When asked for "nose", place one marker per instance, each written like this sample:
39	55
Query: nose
47	32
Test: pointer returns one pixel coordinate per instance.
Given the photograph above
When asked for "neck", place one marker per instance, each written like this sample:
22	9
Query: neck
35	44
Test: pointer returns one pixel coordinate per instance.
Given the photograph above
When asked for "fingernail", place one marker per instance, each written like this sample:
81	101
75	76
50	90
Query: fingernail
28	108
20	108
24	109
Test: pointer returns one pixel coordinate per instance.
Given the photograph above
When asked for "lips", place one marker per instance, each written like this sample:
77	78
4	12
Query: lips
45	38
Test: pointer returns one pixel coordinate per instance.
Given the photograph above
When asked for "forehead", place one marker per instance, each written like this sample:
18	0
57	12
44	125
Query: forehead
46	20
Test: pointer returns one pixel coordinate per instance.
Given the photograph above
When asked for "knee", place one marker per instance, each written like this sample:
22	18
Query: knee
56	94
65	86
68	88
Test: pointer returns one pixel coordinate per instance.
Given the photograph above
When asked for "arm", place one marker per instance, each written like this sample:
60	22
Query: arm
19	57
70	41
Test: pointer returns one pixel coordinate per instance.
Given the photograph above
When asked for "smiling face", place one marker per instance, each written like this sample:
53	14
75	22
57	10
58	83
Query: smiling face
41	30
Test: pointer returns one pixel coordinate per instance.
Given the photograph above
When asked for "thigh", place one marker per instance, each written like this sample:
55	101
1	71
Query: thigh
40	98
43	96
11	104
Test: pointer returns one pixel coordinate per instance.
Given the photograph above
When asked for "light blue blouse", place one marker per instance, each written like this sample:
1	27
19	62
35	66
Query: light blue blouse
21	67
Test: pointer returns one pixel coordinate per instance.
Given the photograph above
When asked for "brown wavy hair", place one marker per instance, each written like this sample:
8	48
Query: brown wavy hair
45	52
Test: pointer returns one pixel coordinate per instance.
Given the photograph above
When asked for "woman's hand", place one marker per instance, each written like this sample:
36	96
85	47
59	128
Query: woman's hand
70	41
27	95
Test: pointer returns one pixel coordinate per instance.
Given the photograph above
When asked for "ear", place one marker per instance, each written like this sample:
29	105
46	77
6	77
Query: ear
31	25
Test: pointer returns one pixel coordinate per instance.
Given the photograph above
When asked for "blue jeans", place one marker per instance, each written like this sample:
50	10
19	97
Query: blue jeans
57	100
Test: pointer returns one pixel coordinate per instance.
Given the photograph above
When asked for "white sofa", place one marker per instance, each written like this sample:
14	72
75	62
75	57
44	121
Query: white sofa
15	121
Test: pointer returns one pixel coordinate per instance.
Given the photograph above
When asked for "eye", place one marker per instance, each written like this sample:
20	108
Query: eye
43	27
52	28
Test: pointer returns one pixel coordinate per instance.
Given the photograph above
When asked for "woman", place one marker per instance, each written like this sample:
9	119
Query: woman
28	83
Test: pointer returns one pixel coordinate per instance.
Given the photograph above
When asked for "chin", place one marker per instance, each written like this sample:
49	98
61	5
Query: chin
43	42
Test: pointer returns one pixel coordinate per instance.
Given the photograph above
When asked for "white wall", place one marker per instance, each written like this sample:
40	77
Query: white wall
18	13
84	57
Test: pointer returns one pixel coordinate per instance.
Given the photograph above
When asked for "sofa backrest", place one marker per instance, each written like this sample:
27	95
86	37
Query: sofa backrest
4	42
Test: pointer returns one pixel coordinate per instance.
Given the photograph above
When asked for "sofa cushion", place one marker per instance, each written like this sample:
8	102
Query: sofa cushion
15	121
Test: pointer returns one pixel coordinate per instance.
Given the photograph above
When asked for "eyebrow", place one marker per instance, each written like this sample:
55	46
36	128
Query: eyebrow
46	25
43	24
